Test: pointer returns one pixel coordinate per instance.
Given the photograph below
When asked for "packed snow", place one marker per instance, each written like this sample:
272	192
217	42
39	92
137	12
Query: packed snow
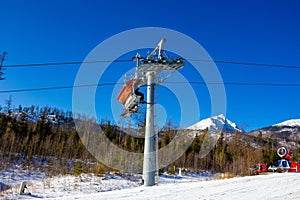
219	122
275	186
87	186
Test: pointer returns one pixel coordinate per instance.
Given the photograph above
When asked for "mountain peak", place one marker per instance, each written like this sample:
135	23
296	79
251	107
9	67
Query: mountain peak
221	116
292	123
219	122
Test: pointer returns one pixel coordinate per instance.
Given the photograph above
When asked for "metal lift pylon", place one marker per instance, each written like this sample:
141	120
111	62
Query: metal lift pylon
147	74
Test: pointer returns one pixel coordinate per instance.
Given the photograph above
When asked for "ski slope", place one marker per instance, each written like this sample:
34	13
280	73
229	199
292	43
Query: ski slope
273	186
88	186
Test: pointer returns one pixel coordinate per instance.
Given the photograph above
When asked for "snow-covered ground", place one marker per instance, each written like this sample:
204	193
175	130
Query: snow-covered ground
42	185
273	186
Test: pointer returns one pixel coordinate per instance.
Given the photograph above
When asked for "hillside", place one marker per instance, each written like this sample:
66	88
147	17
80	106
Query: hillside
49	132
286	133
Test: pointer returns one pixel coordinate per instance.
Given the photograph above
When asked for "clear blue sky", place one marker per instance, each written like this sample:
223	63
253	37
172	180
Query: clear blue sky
250	31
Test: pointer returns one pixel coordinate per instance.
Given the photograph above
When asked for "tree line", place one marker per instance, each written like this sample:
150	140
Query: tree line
29	131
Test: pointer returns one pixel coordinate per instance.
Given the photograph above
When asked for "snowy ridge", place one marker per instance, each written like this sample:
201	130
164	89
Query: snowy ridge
292	123
287	133
219	122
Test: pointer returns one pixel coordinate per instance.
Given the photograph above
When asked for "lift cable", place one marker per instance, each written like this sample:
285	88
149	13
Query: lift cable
131	60
57	87
247	63
117	83
63	63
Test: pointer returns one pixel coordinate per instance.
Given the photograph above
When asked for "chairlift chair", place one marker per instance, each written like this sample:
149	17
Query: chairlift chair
128	98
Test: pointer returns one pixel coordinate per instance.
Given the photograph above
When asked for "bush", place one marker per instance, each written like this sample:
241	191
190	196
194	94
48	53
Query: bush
78	169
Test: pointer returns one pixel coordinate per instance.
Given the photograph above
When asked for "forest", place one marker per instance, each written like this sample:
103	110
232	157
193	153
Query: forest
33	132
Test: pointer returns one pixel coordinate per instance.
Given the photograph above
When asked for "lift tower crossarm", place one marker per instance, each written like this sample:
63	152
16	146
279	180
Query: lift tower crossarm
158	48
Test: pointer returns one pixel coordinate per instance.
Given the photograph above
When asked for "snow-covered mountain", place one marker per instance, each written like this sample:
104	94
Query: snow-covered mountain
287	132
289	129
290	123
219	122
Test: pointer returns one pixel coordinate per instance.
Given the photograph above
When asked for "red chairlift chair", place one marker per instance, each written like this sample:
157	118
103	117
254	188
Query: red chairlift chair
128	98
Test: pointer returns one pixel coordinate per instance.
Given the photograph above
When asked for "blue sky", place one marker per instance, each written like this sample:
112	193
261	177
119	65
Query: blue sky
249	31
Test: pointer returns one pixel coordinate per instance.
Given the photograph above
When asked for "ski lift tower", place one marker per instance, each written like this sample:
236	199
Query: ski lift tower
152	70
